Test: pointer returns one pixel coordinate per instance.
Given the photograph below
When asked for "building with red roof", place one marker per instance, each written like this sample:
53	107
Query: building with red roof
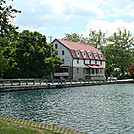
80	61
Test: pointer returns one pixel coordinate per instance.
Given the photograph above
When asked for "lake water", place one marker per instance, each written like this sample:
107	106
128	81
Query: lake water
104	109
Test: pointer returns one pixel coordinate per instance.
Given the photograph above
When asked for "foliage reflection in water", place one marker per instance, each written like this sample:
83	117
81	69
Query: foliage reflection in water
106	109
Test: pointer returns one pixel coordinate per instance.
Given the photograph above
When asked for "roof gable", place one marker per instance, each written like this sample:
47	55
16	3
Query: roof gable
78	46
75	46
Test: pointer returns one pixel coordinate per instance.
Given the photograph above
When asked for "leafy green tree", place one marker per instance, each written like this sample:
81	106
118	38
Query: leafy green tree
118	51
3	60
31	56
7	33
96	38
74	37
6	17
26	54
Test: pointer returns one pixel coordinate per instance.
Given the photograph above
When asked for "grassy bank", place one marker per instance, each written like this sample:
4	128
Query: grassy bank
11	125
12	128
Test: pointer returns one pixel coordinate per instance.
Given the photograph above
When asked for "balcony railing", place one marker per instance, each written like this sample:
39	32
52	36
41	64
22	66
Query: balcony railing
93	75
61	74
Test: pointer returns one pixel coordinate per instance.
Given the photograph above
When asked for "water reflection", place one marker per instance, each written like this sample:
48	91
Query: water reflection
106	109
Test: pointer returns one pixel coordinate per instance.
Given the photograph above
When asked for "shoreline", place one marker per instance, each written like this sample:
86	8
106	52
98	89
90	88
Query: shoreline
34	125
39	86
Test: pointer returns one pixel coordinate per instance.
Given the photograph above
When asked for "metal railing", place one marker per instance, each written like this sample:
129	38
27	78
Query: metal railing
26	82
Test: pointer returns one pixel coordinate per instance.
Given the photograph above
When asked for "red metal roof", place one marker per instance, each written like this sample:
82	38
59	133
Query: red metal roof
73	54
74	46
64	66
94	66
79	46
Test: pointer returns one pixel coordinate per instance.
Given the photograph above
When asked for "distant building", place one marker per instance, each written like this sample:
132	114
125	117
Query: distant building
80	61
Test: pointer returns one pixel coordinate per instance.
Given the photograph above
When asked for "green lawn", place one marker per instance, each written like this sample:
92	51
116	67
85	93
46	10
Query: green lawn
11	128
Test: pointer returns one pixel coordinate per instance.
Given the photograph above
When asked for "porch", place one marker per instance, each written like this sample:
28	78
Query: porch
63	71
95	73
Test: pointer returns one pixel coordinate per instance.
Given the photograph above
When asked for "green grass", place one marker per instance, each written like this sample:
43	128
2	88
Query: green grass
11	128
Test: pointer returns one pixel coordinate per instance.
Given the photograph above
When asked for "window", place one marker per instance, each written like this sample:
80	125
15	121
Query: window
56	46
63	61
77	61
90	55
92	70
100	62
77	70
63	52
61	70
95	62
96	56
101	56
84	54
83	70
84	61
97	71
78	54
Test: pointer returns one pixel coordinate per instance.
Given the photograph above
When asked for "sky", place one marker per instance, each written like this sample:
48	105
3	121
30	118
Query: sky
59	17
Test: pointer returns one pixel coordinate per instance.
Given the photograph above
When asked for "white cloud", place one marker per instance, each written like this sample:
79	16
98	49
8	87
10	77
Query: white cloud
74	15
57	5
109	27
100	8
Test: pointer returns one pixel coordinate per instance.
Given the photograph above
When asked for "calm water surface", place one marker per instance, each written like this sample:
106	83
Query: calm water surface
106	109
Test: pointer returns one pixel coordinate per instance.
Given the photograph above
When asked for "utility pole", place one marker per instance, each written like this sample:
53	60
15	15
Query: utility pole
50	37
51	75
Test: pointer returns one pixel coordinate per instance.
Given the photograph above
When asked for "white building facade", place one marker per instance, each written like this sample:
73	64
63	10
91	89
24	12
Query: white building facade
80	61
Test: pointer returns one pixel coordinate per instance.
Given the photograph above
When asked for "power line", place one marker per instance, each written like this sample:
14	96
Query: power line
32	36
119	49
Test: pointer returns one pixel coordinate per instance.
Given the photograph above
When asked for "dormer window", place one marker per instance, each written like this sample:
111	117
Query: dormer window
84	54
78	53
96	56
101	56
90	54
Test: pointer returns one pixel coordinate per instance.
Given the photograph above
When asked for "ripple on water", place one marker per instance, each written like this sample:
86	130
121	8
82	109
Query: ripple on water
106	109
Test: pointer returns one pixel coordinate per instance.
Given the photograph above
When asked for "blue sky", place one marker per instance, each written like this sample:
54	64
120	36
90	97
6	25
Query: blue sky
57	17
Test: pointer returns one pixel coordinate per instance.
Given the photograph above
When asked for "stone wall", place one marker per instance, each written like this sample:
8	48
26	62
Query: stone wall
78	73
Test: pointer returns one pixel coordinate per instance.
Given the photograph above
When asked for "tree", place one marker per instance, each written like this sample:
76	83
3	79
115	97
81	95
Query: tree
3	60
30	56
7	33
97	39
74	37
6	17
118	51
26	54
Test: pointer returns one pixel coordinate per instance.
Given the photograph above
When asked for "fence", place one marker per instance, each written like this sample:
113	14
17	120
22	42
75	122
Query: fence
19	82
